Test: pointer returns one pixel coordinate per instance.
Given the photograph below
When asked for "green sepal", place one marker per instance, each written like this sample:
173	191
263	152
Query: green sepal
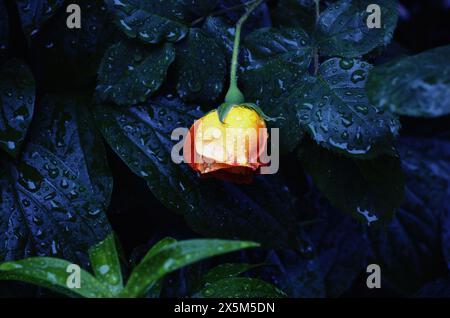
260	112
225	108
223	111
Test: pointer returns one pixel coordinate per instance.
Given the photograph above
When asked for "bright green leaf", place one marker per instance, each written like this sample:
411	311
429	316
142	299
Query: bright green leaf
52	273
227	270
130	73
241	287
416	86
106	265
175	256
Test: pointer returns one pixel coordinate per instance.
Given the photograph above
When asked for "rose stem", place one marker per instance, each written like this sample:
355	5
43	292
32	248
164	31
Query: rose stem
234	95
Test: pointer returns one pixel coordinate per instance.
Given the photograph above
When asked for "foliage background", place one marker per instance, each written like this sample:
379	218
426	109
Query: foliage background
323	258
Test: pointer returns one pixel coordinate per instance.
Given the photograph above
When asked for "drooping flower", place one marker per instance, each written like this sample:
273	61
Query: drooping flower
230	149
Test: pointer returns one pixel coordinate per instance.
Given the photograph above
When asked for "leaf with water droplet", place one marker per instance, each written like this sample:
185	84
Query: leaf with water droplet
72	54
418	235
130	73
151	21
17	96
200	68
174	256
241	287
353	126
417	86
52	273
54	195
369	190
106	265
270	44
343	31
210	207
34	13
265	86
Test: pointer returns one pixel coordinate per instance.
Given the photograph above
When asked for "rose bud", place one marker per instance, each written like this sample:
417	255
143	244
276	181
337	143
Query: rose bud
227	143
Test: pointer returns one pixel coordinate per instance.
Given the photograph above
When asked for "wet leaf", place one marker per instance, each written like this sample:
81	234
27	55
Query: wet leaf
34	13
241	287
416	86
130	74
287	44
341	246
52	273
175	256
224	271
53	198
343	29
141	137
200	68
150	21
295	13
106	265
4	30
201	8
369	190
333	107
73	54
17	96
265	86
335	110
413	236
222	31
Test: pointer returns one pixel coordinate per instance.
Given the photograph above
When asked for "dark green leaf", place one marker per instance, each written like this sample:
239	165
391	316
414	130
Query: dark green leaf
413	86
201	7
295	13
34	13
17	95
265	86
175	256
241	287
336	112
223	32
370	190
413	237
73	54
130	74
141	137
270	44
341	246
52	200
52	273
150	21
106	265
4	30
343	30
227	270
201	68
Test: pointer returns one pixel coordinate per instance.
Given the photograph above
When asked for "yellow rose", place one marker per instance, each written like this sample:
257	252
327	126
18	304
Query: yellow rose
228	149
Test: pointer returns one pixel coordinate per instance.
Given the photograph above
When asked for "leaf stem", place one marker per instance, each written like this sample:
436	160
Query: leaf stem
316	50
234	95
